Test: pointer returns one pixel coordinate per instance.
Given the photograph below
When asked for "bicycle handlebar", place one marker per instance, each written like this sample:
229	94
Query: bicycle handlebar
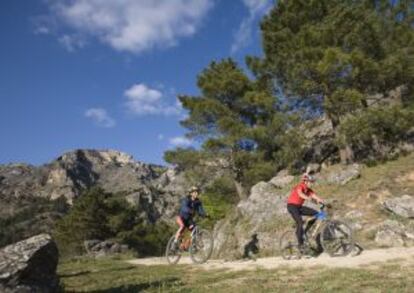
322	206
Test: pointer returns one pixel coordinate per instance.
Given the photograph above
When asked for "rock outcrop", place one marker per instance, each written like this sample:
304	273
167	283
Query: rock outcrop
402	206
391	233
100	248
74	172
262	215
29	266
344	174
282	179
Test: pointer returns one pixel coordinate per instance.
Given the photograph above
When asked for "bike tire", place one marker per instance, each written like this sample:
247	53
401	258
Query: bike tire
288	245
202	246
172	255
337	239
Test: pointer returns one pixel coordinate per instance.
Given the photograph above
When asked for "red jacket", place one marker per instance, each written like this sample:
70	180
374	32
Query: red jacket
294	197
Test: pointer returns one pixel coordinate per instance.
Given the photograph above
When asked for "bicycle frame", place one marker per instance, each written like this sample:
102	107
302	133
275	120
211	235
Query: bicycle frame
193	231
320	217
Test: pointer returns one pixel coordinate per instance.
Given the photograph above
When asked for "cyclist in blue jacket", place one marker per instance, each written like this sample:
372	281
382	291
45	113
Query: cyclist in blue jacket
190	205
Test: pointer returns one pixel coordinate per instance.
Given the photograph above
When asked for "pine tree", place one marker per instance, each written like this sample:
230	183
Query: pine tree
335	53
238	121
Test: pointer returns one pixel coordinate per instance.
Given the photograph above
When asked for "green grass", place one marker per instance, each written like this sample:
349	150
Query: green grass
115	275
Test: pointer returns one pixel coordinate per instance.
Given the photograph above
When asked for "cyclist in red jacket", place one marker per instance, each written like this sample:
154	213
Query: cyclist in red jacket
299	194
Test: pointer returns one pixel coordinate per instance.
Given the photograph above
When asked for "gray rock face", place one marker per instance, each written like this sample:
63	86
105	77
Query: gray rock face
103	248
153	189
319	136
281	180
392	234
263	213
402	206
344	175
29	266
264	200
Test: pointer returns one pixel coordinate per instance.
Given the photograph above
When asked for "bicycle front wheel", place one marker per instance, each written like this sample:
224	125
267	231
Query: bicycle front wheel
172	252
289	245
202	246
336	238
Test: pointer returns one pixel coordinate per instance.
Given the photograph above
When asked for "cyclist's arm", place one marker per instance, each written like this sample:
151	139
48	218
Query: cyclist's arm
317	198
200	210
302	195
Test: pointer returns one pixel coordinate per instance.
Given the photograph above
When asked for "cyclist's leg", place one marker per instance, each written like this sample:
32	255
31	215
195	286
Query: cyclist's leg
295	213
181	224
306	211
190	224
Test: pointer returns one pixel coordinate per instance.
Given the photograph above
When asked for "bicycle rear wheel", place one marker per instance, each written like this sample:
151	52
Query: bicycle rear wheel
202	246
336	238
172	252
289	245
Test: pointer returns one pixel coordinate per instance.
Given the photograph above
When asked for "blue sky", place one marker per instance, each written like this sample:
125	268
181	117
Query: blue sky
105	74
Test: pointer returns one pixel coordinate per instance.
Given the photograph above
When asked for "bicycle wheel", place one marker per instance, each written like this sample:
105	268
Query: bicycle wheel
202	246
289	245
172	252
336	238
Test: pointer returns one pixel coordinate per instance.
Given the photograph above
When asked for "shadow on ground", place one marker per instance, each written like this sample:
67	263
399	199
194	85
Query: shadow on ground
163	284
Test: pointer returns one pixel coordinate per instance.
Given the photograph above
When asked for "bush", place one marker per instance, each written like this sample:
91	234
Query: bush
86	220
30	217
377	130
218	199
100	215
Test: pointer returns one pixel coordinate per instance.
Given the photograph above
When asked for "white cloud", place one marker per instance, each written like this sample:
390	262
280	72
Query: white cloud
42	30
132	25
72	42
160	136
257	6
142	100
243	36
180	141
100	117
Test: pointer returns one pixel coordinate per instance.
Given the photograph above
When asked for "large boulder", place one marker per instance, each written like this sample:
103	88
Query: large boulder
392	233
344	174
319	136
262	216
264	203
402	206
29	266
282	179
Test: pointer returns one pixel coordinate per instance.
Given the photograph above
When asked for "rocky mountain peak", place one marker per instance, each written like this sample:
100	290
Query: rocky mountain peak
103	157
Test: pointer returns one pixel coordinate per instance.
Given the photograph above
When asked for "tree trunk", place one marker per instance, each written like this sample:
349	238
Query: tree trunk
240	190
346	154
237	176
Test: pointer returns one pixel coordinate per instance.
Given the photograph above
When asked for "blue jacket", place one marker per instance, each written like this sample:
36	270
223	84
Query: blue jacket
189	207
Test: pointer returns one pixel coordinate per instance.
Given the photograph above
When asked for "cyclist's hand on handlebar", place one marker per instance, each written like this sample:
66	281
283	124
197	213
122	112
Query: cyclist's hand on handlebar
325	205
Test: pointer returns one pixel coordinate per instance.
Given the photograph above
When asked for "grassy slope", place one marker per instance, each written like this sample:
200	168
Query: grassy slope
114	275
367	193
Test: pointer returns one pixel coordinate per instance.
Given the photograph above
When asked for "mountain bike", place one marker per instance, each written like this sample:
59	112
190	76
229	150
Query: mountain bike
200	247
331	236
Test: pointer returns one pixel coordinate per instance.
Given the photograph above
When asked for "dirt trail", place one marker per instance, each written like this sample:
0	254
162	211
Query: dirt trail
368	257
